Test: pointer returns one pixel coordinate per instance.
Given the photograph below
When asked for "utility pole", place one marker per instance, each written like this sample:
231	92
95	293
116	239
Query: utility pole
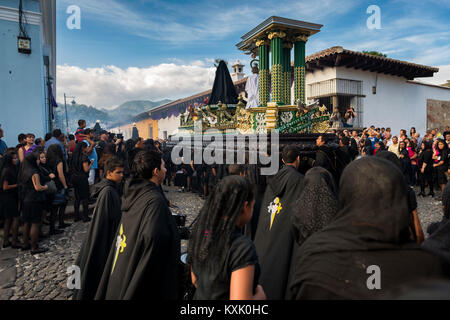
65	106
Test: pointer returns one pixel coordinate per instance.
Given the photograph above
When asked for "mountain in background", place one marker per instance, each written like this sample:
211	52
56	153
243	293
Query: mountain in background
125	111
133	108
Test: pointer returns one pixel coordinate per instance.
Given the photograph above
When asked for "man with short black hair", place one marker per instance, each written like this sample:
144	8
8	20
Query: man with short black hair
323	155
402	133
274	242
447	138
92	154
57	138
144	260
100	237
393	147
22	138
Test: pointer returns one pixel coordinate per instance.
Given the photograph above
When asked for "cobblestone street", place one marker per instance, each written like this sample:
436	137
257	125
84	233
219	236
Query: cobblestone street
44	277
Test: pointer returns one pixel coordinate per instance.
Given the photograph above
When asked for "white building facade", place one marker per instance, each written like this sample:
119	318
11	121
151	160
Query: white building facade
380	90
27	67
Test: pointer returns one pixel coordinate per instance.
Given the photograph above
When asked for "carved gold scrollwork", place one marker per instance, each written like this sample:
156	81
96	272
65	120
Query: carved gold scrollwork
276	34
244	120
288	45
302	37
262	42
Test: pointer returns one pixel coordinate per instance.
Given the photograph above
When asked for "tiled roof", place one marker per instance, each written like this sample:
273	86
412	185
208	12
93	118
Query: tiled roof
340	50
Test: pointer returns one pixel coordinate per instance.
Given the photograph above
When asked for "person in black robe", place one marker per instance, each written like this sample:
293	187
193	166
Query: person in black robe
223	88
317	204
253	174
274	241
346	153
425	168
324	154
439	240
439	244
414	224
102	231
326	158
316	207
370	229
144	261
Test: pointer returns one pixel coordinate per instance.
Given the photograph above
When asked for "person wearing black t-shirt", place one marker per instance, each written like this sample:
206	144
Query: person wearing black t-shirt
46	175
441	164
9	198
33	198
224	263
56	163
80	172
425	168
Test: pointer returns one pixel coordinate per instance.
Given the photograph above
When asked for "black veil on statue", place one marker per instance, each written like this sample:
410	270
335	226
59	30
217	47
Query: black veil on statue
223	89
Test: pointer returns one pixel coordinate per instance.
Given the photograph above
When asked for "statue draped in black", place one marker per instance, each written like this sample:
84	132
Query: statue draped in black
223	89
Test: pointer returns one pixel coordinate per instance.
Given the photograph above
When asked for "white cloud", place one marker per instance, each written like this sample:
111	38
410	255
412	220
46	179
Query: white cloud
439	78
176	24
109	86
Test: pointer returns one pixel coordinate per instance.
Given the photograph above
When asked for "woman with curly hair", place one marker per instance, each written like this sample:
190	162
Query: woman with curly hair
224	263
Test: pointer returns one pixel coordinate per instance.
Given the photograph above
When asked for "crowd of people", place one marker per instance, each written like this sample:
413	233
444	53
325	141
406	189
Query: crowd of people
308	232
37	174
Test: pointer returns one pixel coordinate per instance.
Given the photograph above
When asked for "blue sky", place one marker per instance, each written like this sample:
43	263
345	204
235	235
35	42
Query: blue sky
152	49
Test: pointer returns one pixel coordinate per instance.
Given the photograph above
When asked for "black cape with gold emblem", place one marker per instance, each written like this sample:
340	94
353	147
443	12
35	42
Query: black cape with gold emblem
99	239
274	239
144	260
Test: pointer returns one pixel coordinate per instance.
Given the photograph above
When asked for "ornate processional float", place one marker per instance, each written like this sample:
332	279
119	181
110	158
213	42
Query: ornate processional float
274	111
270	44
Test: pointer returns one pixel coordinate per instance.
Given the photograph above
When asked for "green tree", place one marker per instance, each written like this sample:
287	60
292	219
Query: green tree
376	53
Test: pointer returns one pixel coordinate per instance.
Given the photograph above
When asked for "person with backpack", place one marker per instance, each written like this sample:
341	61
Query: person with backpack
55	161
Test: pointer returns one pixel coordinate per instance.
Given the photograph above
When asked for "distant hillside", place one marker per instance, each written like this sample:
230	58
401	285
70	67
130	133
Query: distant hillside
91	114
132	108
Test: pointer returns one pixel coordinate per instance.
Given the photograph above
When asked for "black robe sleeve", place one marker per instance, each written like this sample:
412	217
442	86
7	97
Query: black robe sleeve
149	266
155	270
98	242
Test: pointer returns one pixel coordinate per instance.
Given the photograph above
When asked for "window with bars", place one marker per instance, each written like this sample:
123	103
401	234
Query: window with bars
348	93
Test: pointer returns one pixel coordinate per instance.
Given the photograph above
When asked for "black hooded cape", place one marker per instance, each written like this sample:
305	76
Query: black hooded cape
223	88
439	243
143	262
99	239
316	207
317	204
274	240
369	229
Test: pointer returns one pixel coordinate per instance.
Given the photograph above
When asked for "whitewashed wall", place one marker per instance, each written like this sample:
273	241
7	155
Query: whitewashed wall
169	124
397	104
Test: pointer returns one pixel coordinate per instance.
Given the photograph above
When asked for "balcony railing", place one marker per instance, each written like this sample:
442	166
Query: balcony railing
334	87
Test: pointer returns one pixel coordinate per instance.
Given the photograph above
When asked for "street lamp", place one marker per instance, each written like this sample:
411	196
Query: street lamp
65	106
